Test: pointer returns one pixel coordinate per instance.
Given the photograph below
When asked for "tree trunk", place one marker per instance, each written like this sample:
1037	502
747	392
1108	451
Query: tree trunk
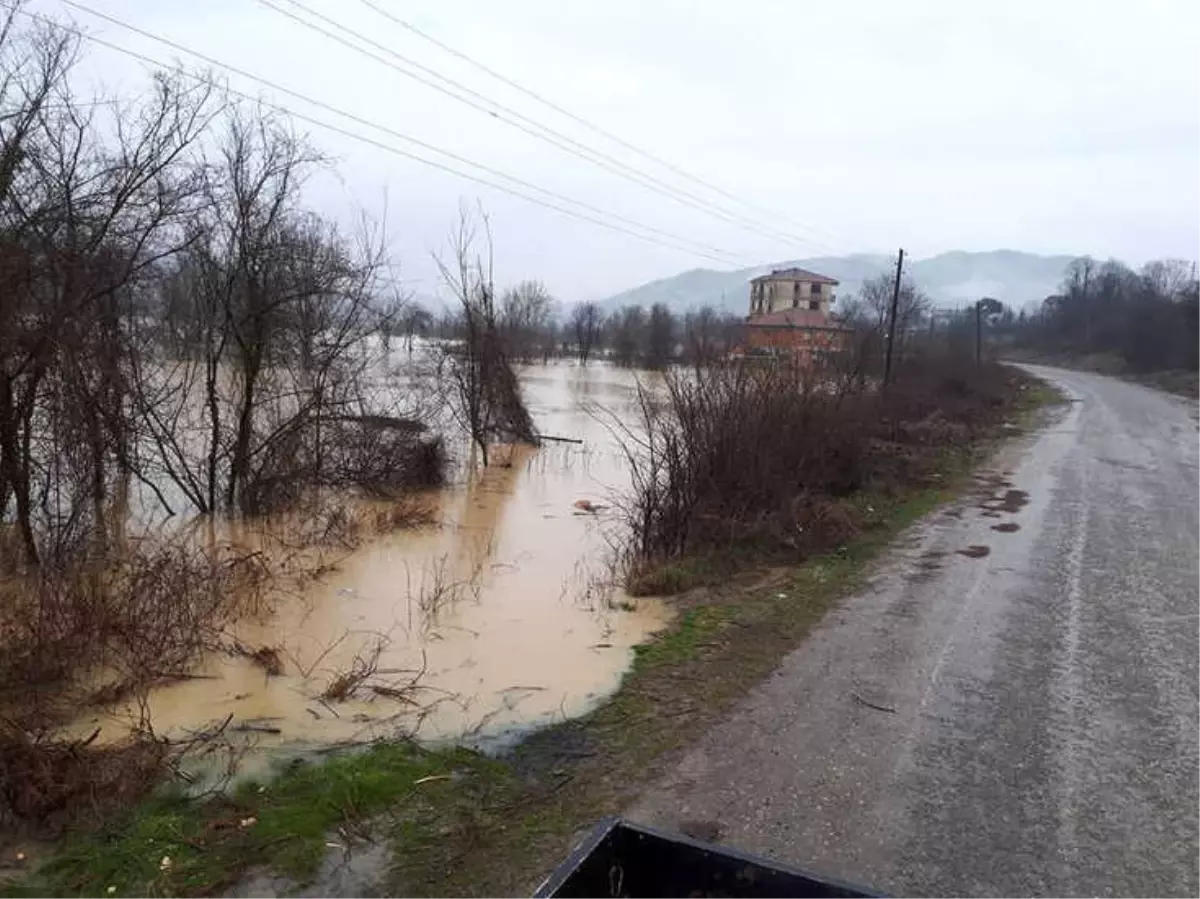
15	471
239	468
214	434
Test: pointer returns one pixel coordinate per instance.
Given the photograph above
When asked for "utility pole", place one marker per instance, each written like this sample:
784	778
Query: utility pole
891	335
979	332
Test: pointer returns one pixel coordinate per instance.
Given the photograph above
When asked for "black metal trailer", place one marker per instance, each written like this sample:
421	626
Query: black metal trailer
619	858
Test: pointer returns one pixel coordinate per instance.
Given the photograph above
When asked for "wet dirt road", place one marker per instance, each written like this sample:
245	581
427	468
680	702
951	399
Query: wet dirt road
1010	706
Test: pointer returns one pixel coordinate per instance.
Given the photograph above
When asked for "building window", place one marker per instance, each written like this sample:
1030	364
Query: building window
814	304
796	295
815	290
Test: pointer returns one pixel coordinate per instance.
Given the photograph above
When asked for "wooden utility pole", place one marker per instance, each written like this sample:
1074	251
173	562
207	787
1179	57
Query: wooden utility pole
979	332
891	334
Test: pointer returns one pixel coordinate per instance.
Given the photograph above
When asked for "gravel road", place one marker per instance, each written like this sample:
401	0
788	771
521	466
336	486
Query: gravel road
1009	707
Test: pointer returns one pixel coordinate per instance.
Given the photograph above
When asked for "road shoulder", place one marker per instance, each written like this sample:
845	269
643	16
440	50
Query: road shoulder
792	773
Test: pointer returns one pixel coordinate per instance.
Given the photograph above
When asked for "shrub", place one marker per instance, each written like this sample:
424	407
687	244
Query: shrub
763	455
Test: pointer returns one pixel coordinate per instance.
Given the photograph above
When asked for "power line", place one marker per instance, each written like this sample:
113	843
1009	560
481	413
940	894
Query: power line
705	250
527	125
540	131
392	132
369	140
617	139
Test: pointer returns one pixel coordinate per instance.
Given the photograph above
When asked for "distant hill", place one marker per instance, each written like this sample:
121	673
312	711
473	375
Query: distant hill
952	279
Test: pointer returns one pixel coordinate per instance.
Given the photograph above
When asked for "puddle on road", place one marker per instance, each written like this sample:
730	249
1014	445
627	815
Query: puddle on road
1010	501
974	551
500	608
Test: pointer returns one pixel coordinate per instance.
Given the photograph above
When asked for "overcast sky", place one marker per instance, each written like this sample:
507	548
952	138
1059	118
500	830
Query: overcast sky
1051	127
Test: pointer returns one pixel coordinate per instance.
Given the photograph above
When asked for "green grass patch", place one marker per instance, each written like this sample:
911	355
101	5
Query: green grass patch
690	633
674	576
1034	397
173	845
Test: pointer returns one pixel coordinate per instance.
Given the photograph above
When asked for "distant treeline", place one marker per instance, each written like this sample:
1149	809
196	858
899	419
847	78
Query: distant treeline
1149	318
536	329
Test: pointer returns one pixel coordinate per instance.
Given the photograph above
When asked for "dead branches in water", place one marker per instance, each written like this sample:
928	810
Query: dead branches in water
439	589
150	615
362	677
47	782
268	658
361	669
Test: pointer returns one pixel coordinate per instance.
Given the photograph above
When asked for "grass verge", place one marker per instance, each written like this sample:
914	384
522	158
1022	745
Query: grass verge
1181	382
462	824
170	844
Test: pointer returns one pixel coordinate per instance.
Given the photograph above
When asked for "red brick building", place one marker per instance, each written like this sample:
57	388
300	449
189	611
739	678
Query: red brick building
790	314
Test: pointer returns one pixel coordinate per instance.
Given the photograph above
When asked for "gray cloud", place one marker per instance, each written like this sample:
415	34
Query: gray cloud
1049	127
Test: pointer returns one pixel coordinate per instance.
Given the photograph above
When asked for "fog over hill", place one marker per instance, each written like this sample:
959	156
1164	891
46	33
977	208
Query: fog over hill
956	278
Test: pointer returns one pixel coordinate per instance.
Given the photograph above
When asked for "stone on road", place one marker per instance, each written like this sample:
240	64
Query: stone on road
1002	710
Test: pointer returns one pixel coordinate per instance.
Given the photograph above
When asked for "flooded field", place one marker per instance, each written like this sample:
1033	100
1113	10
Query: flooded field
498	617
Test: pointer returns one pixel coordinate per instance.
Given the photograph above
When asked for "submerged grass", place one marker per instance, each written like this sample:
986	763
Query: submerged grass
495	827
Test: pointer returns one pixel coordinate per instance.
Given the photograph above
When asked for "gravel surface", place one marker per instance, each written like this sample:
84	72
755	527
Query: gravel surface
1000	711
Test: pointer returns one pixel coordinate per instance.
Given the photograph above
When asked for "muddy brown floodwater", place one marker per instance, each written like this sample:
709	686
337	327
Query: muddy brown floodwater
502	613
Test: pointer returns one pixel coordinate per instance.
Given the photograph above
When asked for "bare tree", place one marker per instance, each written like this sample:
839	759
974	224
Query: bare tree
1169	279
525	315
1145	321
95	197
854	312
485	393
660	337
413	320
585	328
706	335
873	309
171	318
626	331
270	391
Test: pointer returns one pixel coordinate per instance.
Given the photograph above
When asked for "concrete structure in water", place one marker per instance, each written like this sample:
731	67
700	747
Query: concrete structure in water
790	313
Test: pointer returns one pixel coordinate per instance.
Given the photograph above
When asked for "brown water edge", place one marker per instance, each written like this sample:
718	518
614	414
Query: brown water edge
496	619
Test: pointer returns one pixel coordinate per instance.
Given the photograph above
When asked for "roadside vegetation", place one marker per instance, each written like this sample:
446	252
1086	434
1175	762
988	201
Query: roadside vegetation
1142	325
743	463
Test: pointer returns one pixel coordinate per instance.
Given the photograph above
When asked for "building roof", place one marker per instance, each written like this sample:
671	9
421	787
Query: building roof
796	318
794	274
